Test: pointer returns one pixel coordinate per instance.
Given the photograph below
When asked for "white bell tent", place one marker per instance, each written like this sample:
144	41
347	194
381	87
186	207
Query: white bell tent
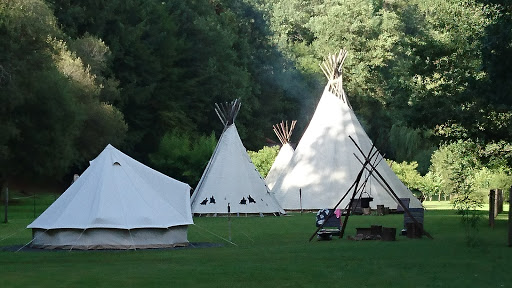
117	203
230	178
284	133
324	164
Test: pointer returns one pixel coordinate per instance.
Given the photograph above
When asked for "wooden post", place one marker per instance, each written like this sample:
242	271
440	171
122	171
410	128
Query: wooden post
6	202
229	222
300	200
491	208
496	199
34	204
510	217
499	202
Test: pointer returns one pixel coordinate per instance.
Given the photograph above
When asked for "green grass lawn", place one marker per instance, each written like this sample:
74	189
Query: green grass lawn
271	252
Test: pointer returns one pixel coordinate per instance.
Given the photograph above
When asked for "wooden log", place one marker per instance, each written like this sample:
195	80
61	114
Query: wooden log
376	230
364	231
380	210
388	234
491	208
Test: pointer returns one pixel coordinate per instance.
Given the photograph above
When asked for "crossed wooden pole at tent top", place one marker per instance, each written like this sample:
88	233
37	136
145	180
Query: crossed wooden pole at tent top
283	131
228	111
332	66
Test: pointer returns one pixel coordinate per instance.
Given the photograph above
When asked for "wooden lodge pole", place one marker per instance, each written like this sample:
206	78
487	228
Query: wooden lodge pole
406	210
331	213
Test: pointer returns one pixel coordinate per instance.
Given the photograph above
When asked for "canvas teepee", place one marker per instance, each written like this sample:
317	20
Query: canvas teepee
230	178
117	203
284	133
323	165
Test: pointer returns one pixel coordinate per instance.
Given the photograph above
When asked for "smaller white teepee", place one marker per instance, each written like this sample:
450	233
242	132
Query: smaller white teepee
284	133
230	178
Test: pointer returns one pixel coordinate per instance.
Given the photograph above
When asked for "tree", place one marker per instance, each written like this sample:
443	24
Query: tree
264	158
175	59
496	178
408	174
431	185
411	144
48	97
440	76
39	116
183	158
457	164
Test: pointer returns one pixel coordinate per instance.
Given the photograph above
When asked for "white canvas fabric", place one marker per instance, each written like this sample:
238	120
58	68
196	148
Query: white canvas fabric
323	165
101	238
280	163
231	177
118	192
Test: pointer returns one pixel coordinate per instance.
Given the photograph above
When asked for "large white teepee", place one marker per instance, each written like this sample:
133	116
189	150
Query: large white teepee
324	165
117	203
284	133
230	178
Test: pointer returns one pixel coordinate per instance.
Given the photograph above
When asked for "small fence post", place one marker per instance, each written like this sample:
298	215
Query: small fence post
510	217
492	193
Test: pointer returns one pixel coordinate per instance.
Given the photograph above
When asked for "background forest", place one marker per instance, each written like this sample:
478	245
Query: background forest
430	81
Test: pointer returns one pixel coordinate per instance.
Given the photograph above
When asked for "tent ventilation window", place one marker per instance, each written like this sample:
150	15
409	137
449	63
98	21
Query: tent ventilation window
116	163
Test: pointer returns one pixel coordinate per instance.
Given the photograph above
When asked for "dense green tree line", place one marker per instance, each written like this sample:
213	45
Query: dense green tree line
76	75
427	69
175	59
51	114
423	76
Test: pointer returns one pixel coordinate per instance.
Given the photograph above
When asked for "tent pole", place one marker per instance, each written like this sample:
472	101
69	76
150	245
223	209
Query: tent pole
358	179
300	200
341	200
229	222
391	190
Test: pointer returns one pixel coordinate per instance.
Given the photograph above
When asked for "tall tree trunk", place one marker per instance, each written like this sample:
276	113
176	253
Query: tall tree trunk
6	199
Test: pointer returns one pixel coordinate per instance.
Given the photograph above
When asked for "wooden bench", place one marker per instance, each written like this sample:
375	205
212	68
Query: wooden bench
331	226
